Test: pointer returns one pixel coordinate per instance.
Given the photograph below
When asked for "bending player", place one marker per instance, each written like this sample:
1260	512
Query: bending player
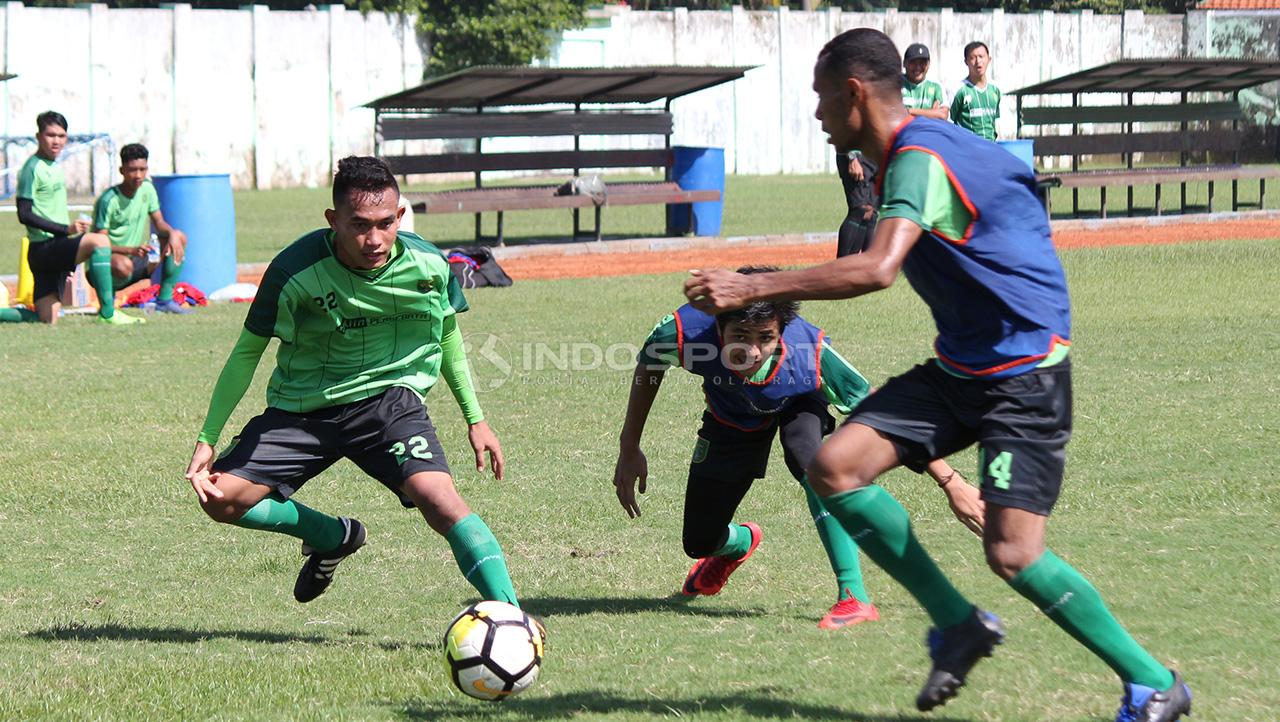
366	319
126	213
765	372
960	218
57	243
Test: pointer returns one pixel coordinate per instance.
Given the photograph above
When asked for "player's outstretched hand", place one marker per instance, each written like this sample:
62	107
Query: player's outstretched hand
631	466
966	503
484	440
717	290
198	473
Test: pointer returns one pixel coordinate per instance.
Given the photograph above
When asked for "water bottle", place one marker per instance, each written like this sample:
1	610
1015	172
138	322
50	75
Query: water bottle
153	250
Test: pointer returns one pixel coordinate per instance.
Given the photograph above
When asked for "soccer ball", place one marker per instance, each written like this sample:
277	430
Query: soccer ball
493	650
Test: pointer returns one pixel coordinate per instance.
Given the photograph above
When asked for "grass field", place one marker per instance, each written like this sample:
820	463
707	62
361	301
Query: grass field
266	221
122	601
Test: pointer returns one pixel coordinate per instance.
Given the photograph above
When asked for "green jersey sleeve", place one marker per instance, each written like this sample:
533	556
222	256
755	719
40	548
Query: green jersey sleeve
272	310
917	188
661	349
843	386
101	212
232	384
150	196
453	367
457	301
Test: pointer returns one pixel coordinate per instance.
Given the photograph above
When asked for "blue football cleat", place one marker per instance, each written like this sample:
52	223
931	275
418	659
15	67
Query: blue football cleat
1144	704
172	306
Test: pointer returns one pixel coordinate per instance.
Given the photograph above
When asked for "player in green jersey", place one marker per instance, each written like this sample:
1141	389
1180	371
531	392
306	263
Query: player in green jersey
976	105
58	244
366	319
766	372
922	97
126	213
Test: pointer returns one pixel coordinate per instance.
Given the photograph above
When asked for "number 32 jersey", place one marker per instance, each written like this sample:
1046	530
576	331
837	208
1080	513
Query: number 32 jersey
347	335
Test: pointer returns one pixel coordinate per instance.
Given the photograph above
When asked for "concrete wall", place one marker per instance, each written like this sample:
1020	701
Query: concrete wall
269	97
272	97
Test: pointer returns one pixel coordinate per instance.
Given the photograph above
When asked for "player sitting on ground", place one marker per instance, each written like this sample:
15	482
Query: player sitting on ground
126	213
366	319
765	371
961	219
57	244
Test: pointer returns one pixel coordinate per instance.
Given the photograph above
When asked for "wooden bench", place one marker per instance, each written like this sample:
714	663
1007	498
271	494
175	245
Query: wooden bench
1185	143
499	200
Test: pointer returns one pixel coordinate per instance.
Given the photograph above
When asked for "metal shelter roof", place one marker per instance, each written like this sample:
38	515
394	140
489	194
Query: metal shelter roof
6	76
493	85
1148	75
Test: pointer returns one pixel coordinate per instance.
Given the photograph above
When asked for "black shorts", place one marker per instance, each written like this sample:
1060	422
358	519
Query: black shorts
1021	425
388	436
138	270
51	262
728	454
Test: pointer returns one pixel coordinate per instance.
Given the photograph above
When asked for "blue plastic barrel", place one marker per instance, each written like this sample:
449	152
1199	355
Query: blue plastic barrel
1023	150
696	169
201	206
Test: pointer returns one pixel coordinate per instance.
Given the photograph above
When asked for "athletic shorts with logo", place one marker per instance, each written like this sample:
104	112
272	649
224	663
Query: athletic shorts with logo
51	261
389	436
1020	424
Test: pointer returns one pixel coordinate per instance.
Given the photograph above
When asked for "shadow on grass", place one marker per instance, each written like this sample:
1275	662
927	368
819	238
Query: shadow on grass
676	603
175	635
757	704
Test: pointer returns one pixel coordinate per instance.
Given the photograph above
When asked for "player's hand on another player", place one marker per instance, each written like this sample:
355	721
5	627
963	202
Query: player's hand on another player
631	466
484	440
966	503
198	473
718	290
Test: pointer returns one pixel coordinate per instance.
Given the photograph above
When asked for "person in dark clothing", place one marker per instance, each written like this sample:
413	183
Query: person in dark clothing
857	175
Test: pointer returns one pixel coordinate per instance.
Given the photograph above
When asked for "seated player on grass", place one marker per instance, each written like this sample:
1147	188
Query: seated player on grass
765	371
57	243
366	318
126	213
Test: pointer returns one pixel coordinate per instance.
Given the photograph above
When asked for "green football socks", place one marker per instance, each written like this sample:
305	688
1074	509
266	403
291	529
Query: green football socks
1073	604
18	315
480	558
842	552
736	544
168	279
99	268
881	527
275	513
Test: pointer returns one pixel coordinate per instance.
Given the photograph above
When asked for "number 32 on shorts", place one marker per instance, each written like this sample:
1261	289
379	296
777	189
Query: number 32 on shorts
416	447
999	469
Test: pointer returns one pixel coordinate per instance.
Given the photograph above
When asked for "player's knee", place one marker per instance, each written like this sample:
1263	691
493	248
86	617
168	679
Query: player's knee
1008	558
98	240
224	511
829	473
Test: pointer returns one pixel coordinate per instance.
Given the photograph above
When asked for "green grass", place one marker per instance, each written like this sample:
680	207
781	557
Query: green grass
122	601
267	221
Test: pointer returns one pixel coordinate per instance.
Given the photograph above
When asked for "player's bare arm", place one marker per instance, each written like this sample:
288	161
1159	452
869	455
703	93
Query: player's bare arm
632	466
173	242
714	291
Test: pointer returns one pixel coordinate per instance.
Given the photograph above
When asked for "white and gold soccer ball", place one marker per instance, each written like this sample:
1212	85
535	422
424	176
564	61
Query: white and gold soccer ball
493	650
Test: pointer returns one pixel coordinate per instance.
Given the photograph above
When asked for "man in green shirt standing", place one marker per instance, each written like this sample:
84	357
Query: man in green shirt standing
57	243
126	213
976	105
366	318
922	97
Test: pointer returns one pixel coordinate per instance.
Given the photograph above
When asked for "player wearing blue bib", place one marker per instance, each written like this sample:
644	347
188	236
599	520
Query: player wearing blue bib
961	220
765	372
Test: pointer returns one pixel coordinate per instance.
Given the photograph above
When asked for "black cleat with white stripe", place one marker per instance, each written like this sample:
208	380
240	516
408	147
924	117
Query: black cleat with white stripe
317	572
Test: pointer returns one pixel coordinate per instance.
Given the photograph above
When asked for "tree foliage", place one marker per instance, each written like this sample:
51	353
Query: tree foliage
464	33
